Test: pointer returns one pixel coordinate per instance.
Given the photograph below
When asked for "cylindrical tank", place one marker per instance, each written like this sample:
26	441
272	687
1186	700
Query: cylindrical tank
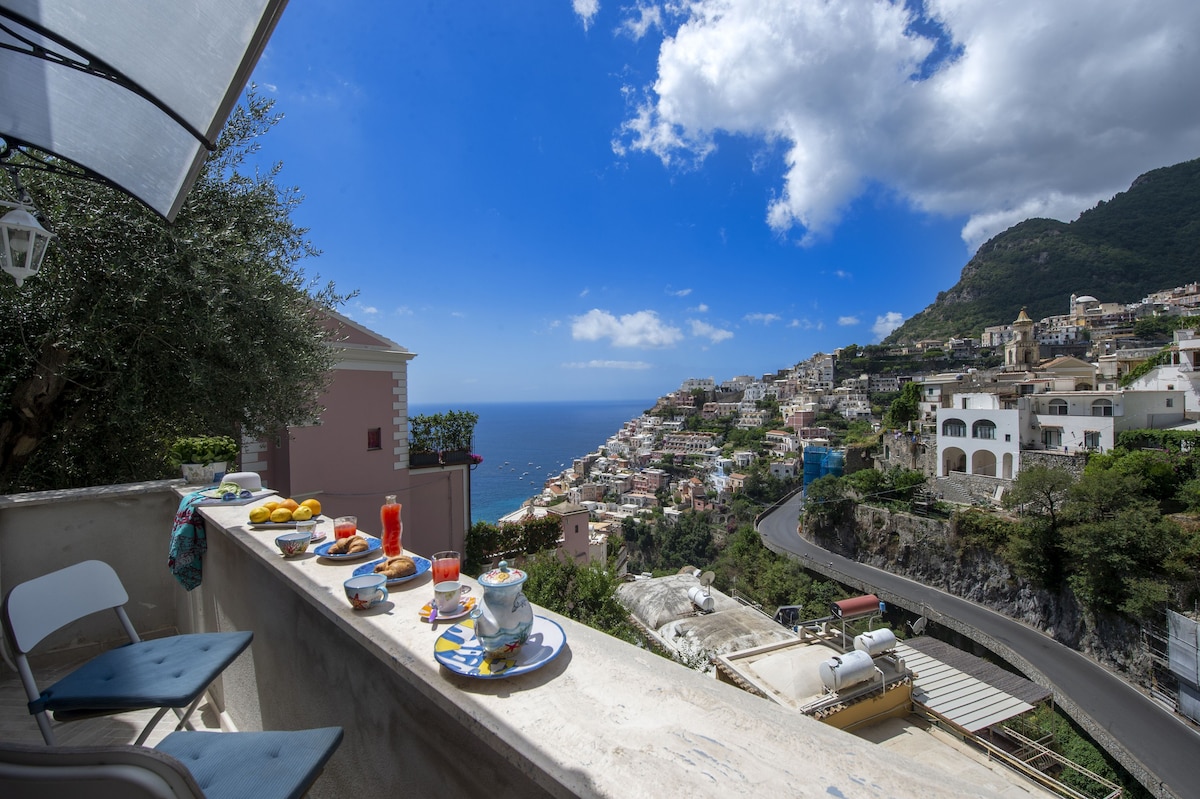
844	671
701	598
875	642
863	605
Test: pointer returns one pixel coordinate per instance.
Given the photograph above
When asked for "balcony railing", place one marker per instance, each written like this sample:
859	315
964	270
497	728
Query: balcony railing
603	719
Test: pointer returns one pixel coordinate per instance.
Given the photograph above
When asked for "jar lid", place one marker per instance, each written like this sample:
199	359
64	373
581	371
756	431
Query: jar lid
502	575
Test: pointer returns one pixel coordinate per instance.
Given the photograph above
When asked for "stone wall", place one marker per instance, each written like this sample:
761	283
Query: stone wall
910	451
1071	462
978	489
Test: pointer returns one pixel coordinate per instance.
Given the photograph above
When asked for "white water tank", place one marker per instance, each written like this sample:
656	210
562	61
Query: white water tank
843	671
701	598
876	642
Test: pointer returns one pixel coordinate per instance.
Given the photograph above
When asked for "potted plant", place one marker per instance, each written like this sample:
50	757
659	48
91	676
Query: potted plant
201	457
422	442
457	433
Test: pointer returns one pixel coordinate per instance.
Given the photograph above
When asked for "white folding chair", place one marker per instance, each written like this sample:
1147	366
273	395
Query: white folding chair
170	673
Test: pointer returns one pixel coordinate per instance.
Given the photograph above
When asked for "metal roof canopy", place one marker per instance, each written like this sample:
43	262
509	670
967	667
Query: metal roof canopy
132	91
965	701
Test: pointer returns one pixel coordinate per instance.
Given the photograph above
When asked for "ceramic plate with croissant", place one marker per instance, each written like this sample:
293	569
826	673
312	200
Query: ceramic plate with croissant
421	566
352	548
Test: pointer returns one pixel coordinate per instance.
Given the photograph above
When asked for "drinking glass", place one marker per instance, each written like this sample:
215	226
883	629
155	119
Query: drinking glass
345	526
445	566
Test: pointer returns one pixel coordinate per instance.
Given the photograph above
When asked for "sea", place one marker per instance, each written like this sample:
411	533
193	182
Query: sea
523	443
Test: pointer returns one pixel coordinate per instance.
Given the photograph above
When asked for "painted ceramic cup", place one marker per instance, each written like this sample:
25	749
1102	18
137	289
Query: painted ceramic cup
292	544
503	617
366	591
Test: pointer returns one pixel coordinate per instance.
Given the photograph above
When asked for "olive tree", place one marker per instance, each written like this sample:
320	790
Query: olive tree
137	330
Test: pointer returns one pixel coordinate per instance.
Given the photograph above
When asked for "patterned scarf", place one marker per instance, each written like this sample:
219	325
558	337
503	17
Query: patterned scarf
188	542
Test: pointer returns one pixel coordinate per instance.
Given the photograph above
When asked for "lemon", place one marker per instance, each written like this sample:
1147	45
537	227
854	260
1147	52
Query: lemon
281	515
260	514
302	513
314	504
271	506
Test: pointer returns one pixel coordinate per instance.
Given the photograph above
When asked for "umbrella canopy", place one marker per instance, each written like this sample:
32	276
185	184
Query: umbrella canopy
134	92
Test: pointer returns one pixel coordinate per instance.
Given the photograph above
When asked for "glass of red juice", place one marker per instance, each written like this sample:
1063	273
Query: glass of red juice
345	526
445	566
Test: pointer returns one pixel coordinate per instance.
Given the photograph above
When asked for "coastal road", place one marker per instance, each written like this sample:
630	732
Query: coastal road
1159	748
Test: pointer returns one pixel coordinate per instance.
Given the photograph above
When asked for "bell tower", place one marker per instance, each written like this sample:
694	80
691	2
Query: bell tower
1021	354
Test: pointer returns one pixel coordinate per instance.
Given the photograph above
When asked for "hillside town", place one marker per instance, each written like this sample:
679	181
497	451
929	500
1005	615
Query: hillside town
1046	392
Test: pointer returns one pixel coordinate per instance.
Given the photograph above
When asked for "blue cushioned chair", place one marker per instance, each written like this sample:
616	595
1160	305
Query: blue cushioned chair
185	765
167	673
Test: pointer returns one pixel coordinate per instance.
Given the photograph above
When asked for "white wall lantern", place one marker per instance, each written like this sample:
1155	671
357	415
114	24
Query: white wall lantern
22	243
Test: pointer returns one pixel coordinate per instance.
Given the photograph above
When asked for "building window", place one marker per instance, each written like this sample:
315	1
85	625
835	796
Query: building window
1008	436
1052	437
1058	407
375	438
1102	407
956	428
1170	402
983	429
1091	439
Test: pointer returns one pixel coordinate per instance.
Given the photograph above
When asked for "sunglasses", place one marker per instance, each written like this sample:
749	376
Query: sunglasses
229	496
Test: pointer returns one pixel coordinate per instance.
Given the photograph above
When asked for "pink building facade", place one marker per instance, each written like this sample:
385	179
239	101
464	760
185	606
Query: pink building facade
357	451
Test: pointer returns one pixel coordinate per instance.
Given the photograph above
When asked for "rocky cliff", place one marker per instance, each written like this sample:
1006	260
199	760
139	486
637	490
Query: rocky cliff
929	551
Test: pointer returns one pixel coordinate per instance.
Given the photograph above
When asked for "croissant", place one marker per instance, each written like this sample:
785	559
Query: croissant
399	566
348	546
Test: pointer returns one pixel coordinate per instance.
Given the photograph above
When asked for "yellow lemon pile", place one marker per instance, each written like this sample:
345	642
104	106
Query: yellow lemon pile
287	510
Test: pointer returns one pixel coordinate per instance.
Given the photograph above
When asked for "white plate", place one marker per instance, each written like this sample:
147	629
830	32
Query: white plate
459	651
213	498
374	546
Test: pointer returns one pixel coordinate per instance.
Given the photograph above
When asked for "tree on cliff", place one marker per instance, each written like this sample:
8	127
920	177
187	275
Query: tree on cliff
136	331
905	408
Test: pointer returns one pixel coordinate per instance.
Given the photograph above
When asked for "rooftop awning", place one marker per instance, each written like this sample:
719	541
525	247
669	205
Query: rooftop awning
133	91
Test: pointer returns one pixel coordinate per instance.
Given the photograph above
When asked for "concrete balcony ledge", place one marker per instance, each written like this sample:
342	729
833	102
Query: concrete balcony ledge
605	719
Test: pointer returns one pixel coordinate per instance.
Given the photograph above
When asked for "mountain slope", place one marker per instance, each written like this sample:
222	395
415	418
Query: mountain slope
1142	240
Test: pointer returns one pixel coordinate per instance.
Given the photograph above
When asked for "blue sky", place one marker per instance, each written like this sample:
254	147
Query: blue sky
570	200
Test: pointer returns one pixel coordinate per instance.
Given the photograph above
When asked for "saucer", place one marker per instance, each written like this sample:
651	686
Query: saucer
464	608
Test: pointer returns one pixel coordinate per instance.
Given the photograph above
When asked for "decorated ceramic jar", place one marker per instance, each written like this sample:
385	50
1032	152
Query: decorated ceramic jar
504	617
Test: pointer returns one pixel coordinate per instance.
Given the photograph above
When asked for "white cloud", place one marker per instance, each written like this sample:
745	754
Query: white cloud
368	310
842	273
403	310
765	318
647	17
806	324
585	292
587	10
846	321
701	308
607	365
993	111
885	324
642	329
713	333
679	292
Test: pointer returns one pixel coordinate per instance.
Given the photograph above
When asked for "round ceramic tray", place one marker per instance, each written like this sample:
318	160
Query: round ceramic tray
458	650
374	543
421	563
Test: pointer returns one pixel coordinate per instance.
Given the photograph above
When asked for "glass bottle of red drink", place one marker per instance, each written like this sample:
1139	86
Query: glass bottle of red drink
389	520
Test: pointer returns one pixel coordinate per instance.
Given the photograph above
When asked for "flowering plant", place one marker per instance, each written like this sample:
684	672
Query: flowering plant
476	459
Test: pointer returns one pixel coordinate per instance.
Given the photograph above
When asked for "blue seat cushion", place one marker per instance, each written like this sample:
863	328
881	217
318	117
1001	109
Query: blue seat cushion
163	672
263	765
